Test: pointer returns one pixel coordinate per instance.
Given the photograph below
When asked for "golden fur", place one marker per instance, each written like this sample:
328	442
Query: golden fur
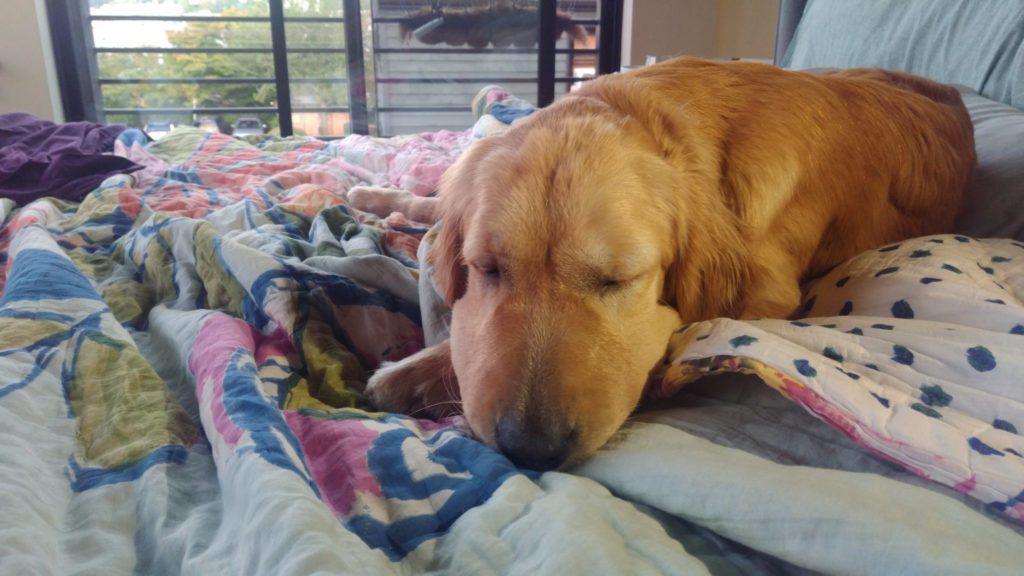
575	244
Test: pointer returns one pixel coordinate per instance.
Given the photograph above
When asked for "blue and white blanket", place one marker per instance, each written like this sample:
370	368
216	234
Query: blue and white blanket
182	355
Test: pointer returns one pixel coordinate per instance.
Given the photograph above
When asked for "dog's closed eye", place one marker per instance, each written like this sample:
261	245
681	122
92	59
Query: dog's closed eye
618	280
610	285
490	271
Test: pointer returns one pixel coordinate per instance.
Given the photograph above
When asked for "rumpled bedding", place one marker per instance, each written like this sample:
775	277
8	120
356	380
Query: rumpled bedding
39	158
182	355
916	357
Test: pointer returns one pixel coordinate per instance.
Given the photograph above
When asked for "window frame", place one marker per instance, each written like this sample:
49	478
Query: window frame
80	84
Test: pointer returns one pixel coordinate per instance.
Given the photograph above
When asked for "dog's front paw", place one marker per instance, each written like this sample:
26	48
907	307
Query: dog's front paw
377	200
417	386
384	201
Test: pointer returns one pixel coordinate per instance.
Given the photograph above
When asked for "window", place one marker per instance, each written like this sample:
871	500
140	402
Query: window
320	67
430	59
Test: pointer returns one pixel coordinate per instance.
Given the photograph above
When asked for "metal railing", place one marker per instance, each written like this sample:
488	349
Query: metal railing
546	78
82	85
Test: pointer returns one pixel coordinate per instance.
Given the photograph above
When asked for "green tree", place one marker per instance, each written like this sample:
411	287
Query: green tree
304	68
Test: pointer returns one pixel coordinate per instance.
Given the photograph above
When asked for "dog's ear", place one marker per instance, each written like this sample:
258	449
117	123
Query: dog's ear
457	202
445	257
459	193
710	268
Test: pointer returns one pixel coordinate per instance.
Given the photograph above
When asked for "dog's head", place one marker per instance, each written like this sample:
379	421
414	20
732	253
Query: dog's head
562	254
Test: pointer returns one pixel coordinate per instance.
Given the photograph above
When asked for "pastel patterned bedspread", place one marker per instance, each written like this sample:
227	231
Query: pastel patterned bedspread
914	351
181	356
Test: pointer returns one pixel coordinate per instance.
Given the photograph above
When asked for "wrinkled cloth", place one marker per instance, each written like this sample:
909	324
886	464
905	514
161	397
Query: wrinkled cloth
39	158
182	356
911	350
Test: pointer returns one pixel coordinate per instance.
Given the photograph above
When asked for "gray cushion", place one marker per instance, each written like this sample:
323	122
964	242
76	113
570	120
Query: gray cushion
995	204
979	44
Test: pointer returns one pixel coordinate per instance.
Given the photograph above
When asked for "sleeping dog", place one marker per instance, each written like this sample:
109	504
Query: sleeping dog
572	246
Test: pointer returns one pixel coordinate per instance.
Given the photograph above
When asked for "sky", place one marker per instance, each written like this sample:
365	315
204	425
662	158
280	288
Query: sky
119	34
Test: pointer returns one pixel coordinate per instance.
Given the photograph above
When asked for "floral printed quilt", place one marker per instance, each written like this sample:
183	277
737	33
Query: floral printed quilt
182	356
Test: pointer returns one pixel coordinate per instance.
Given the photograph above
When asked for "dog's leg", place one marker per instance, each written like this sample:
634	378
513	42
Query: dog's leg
421	385
384	201
774	291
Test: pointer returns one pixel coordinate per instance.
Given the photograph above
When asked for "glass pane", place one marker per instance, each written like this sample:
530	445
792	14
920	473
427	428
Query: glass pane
314	8
178	34
253	124
320	124
425	61
482	24
320	109
319	93
190	65
430	62
158	123
177	63
449	95
314	35
180	8
412	123
318	77
428	57
188	95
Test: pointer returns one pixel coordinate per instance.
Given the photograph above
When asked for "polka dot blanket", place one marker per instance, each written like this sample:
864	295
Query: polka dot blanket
915	351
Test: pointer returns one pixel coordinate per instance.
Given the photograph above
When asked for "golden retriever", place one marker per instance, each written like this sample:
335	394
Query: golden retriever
573	245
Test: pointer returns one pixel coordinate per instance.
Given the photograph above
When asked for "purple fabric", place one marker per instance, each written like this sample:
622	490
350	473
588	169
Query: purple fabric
39	158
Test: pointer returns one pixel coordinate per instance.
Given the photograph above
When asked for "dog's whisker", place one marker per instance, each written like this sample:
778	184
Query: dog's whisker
449	383
435	405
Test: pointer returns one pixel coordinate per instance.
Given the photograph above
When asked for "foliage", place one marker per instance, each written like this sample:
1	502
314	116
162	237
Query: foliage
217	35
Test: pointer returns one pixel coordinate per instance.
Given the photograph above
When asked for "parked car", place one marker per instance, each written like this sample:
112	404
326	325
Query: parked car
157	129
249	126
208	123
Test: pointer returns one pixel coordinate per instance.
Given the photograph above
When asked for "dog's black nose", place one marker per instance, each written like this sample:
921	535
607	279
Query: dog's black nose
534	445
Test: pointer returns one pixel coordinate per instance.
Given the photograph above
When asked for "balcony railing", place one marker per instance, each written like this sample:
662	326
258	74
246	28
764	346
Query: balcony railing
375	89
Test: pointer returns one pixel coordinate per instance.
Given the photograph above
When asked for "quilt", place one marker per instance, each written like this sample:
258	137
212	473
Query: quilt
182	355
916	357
39	158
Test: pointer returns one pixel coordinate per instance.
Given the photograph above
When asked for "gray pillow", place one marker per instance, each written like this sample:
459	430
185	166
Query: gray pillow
977	43
995	201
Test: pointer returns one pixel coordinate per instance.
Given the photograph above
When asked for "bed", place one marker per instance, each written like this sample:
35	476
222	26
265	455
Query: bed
182	351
